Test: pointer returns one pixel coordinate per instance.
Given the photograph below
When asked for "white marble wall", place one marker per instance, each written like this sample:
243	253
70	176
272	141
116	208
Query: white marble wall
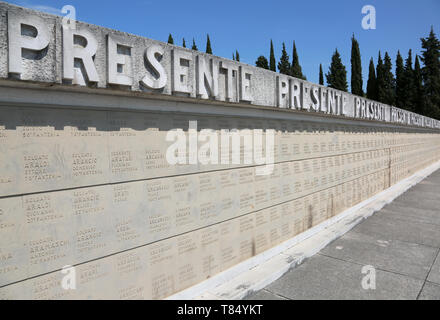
93	189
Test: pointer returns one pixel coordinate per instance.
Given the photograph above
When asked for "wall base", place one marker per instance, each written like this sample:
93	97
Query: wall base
257	272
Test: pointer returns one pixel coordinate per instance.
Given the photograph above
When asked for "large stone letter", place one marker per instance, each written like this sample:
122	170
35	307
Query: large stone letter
207	77
331	102
18	41
180	75
230	69
161	80
370	110
305	94
283	91
323	99
72	51
245	85
338	98
115	60
363	109
344	110
314	95
357	107
295	94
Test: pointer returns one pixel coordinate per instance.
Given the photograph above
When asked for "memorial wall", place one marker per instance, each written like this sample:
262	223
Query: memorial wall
90	120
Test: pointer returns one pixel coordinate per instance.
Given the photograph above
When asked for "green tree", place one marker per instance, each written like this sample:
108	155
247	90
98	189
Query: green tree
262	62
371	84
272	62
380	80
337	74
390	82
431	74
208	45
321	75
284	64
170	39
400	84
409	85
233	56
184	43
194	47
418	88
237	56
356	69
295	69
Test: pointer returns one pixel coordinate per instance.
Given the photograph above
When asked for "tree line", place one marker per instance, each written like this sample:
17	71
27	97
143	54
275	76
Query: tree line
235	56
410	87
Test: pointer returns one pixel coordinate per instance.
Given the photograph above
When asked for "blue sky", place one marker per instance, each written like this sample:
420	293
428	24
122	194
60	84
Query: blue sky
318	27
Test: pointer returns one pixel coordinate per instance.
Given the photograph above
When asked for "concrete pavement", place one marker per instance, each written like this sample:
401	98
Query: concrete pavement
401	242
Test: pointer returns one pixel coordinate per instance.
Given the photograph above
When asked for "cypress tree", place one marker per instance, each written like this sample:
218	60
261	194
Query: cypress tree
272	62
385	82
233	56
431	74
208	45
356	68
418	88
337	74
390	82
237	56
409	85
284	64
295	69
380	80
400	84
262	62
321	75
371	84
194	47
184	43
170	39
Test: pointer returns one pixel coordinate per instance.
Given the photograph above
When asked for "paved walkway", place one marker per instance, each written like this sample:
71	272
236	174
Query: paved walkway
402	243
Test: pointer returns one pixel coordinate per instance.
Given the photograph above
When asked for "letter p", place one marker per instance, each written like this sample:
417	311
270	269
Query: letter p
19	39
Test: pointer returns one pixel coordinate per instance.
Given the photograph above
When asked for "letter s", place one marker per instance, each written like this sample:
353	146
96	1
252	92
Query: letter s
161	80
